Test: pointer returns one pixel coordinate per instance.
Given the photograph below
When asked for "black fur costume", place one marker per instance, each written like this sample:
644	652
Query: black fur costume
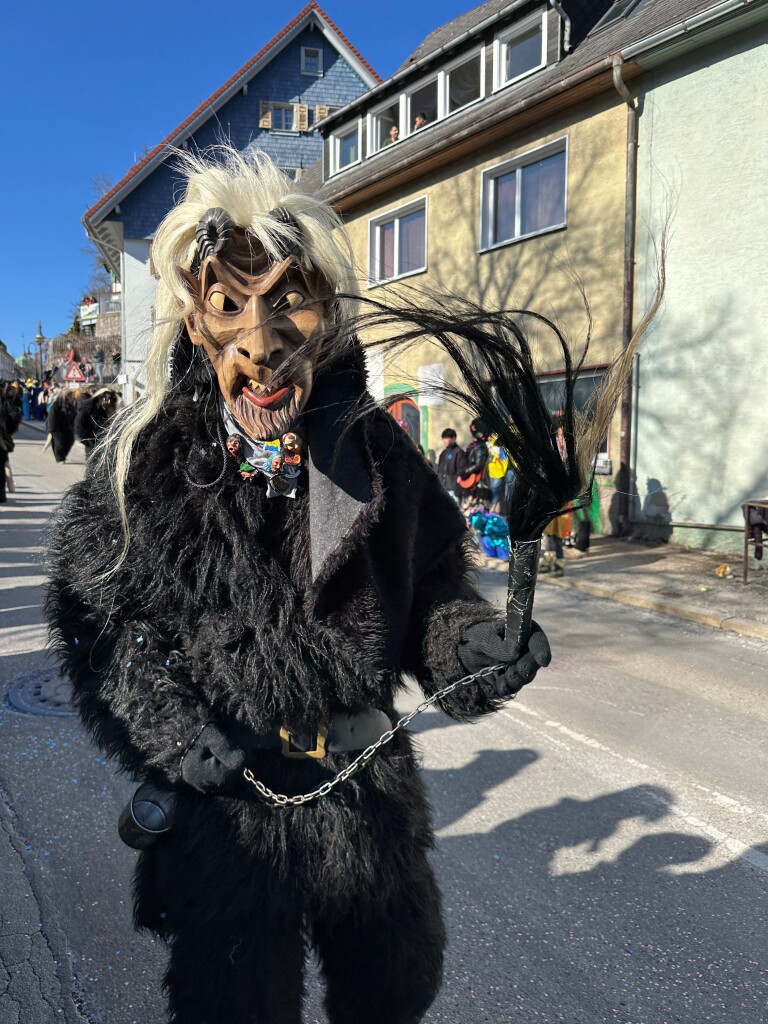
61	425
92	417
245	610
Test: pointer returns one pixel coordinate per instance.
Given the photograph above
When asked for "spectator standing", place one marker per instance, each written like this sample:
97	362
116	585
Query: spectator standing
450	463
116	361
98	363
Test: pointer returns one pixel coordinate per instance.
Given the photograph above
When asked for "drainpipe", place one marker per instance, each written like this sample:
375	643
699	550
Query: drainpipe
630	204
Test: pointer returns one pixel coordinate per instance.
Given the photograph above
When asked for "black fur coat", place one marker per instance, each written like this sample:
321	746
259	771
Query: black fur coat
246	610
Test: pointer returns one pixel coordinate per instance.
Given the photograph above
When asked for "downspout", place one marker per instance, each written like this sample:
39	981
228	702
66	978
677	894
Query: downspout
630	207
558	7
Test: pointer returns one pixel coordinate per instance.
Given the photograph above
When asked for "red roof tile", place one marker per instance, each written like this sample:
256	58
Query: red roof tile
311	6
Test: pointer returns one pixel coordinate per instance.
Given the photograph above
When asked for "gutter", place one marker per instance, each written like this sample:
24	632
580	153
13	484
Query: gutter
688	26
630	217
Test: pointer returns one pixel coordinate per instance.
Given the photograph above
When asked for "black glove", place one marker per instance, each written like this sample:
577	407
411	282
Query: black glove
212	762
483	645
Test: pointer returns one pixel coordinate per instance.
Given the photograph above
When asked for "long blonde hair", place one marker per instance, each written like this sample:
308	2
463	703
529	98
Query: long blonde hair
248	186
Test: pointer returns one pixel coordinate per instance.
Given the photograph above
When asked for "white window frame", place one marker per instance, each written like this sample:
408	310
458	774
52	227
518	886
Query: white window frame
279	105
396	214
488	181
501	43
319	51
441	78
443	84
336	139
372	119
409	115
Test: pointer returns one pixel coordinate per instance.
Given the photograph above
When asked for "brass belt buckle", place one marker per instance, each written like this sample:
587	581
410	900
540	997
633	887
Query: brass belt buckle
318	752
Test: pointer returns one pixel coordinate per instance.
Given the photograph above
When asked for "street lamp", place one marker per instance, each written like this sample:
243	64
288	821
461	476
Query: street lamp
40	341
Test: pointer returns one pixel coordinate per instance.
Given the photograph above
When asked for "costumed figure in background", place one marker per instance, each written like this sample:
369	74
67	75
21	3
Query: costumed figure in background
237	643
10	418
93	416
61	423
471	478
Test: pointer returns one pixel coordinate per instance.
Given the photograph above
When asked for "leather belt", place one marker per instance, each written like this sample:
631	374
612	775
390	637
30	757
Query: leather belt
343	733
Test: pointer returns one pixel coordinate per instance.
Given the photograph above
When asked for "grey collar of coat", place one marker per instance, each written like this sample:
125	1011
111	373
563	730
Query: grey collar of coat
345	492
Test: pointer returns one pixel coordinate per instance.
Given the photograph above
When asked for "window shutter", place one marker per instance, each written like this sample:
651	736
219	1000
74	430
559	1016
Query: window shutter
265	114
321	112
301	117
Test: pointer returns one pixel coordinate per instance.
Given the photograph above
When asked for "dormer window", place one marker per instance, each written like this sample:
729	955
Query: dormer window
463	83
519	51
346	148
384	127
421	106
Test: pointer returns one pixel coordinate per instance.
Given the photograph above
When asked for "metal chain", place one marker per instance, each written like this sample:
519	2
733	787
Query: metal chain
282	800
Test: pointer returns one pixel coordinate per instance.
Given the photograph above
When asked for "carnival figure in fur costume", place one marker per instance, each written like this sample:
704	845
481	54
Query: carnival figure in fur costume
233	633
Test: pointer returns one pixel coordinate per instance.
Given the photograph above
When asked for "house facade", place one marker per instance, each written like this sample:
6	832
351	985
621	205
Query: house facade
701	420
273	104
511	178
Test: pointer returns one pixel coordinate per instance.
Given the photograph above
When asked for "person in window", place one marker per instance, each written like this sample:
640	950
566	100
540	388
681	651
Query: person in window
394	135
419	121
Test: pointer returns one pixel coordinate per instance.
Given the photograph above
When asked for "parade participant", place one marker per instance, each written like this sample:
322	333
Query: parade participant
61	423
238	643
94	413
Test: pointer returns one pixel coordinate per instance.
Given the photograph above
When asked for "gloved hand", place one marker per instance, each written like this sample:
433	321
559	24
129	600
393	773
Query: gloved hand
212	763
483	645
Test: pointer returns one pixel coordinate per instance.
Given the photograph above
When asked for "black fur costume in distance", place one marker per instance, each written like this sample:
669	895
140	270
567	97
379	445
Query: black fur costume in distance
243	610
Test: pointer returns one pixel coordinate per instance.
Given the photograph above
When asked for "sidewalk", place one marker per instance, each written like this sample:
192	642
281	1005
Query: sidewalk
671	580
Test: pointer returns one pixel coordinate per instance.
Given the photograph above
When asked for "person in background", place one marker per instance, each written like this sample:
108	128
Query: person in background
498	462
450	463
419	121
98	363
116	361
394	134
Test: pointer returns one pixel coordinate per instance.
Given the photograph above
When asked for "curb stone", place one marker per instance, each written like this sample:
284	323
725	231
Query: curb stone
677	609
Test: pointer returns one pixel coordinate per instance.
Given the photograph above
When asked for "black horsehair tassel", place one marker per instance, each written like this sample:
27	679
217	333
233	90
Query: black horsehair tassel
497	383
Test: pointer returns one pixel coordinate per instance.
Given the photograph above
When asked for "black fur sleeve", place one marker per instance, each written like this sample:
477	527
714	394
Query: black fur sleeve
445	605
131	686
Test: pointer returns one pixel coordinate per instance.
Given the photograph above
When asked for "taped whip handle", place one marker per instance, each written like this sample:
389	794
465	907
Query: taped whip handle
523	570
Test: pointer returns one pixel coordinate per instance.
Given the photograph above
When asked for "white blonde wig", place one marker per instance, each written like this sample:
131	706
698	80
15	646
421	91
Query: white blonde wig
248	186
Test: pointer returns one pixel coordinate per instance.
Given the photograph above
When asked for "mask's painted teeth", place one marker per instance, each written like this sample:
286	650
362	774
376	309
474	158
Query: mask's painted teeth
256	387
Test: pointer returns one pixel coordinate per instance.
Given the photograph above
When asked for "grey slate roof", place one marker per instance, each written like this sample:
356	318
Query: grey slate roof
583	14
594	52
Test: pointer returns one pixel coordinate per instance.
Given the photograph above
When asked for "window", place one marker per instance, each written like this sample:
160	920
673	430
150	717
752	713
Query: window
463	84
524	196
398	243
283	117
384	127
346	149
422	106
519	51
585	393
311	60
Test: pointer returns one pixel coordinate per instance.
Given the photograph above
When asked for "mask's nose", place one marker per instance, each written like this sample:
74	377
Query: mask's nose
258	340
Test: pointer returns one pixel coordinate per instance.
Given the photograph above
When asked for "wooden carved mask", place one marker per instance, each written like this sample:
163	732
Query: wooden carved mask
252	316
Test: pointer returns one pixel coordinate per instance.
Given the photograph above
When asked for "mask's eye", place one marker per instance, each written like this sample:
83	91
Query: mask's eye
287	301
221	302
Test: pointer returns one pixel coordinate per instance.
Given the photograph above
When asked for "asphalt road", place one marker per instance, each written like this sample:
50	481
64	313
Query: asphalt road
602	841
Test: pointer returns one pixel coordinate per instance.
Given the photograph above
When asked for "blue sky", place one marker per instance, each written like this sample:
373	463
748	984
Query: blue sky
87	86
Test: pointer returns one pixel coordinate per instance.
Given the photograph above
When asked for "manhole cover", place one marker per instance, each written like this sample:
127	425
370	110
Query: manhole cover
41	693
